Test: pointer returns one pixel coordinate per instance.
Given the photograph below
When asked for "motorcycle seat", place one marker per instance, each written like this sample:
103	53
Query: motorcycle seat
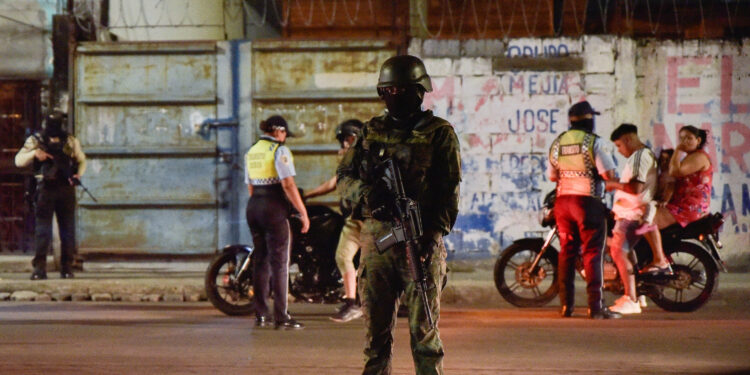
705	225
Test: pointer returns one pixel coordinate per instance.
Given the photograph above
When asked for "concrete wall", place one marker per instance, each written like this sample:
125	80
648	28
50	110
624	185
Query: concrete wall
508	101
705	84
25	46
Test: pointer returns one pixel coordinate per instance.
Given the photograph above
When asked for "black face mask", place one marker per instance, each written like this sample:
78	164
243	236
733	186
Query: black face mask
53	129
586	125
402	101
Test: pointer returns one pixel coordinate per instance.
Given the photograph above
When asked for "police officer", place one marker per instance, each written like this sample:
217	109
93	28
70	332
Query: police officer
58	165
347	134
270	183
426	150
580	165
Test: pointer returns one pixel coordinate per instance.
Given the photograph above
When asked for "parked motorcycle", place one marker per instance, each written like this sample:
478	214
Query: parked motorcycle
526	271
313	275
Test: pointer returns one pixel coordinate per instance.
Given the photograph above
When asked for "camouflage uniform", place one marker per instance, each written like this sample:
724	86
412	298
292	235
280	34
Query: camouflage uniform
428	156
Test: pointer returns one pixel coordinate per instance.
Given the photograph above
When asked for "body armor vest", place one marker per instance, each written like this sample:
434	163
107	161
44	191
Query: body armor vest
412	150
260	161
62	166
572	155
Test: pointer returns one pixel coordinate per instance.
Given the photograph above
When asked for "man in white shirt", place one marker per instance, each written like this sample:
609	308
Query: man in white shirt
633	193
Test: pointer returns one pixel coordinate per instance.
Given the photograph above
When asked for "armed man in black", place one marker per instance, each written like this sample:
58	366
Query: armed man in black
426	151
58	165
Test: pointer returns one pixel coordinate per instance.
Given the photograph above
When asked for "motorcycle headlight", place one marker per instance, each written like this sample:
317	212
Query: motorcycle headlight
543	215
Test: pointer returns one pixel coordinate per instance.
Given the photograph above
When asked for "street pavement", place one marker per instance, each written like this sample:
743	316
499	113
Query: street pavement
141	321
193	338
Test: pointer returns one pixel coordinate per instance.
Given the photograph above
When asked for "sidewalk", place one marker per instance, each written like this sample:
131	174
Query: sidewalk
470	283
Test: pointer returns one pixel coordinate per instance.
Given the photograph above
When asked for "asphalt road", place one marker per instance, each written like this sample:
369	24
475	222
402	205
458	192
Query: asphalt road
159	338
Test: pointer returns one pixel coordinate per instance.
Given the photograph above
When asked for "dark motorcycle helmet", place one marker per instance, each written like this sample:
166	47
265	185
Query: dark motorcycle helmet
347	128
404	70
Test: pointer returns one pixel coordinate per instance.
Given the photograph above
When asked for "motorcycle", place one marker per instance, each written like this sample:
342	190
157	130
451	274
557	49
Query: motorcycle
313	275
526	271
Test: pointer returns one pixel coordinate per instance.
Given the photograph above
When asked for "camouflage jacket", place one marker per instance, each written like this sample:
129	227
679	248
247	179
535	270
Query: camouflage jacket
429	160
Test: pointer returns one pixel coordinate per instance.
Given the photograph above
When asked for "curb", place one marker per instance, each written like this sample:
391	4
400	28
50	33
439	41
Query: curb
184	290
128	288
470	284
108	290
469	296
179	281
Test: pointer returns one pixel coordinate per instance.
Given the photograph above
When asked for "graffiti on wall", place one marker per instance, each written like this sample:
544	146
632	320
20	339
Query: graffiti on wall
505	123
711	93
525	47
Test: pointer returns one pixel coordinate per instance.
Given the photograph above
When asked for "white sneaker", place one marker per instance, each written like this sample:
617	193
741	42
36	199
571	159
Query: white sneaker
624	305
642	301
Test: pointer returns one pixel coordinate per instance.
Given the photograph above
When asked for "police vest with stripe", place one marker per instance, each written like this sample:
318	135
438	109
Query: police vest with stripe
572	155
261	163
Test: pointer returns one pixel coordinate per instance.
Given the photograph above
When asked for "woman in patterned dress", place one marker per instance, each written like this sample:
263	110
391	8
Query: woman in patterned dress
693	179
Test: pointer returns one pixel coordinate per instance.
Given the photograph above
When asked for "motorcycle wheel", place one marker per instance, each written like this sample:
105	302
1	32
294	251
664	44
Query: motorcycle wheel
694	281
514	282
230	296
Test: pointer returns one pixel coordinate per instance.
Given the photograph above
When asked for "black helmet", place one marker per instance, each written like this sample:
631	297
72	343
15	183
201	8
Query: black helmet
347	128
405	69
54	123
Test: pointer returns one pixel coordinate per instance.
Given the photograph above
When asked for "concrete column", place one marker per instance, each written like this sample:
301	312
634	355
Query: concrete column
418	19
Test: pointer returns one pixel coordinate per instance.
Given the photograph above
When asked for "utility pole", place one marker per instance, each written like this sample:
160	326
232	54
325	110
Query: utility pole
418	19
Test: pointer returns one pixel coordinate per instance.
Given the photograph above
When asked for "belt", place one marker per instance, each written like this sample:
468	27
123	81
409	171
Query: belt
268	190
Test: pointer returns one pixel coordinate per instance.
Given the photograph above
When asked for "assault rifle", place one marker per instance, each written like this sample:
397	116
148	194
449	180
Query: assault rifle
407	229
67	170
77	182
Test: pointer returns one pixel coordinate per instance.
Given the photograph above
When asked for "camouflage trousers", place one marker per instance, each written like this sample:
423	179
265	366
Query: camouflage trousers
383	279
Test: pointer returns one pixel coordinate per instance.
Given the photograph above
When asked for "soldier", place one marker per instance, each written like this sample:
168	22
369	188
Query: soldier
579	165
426	150
58	165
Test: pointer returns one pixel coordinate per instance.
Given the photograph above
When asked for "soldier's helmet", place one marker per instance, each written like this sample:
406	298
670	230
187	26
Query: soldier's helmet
347	128
403	70
54	122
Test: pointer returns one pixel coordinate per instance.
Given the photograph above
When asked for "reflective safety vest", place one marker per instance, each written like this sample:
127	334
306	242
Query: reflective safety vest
260	162
572	155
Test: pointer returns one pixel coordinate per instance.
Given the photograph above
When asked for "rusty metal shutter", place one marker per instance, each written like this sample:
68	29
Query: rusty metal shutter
138	107
316	85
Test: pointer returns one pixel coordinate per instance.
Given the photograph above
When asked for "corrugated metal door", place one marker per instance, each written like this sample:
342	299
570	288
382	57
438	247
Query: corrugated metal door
138	107
316	86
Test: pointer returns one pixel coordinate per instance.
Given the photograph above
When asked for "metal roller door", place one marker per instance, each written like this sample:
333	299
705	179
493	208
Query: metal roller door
138	107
